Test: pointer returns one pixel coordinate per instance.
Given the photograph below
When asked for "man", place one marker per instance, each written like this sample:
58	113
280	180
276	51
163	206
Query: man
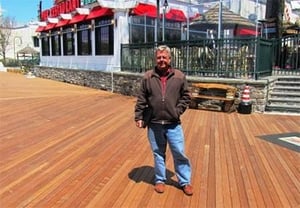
164	91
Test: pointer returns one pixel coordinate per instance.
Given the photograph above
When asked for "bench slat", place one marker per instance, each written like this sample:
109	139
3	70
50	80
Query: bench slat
213	86
212	97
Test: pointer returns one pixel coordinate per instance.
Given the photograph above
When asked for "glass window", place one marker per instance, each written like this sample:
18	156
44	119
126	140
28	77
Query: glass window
194	35
137	32
142	29
84	39
104	37
172	30
36	42
45	44
68	42
150	34
55	41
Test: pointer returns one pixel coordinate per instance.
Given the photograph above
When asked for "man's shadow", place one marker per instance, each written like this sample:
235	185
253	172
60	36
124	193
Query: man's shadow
146	174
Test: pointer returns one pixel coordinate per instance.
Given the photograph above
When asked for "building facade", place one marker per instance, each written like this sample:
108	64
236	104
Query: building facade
87	34
21	37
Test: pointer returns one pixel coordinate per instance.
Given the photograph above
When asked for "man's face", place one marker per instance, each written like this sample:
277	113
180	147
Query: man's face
163	60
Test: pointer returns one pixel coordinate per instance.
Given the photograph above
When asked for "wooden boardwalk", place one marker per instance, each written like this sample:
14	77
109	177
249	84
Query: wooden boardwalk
68	146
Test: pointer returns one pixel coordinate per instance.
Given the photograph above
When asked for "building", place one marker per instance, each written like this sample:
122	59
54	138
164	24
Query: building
88	34
21	37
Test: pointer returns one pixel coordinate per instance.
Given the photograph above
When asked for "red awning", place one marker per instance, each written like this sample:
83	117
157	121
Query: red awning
144	9
62	23
195	17
176	14
50	26
150	11
40	29
99	12
245	31
77	18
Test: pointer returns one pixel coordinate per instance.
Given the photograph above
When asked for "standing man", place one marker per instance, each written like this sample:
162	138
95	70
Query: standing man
164	96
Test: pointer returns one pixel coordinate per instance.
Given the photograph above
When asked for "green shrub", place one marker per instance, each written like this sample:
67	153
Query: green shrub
11	62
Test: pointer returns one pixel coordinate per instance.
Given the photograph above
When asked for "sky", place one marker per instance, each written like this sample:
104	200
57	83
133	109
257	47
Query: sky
23	11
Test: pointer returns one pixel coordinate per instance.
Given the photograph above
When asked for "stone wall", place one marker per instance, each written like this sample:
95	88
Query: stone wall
126	83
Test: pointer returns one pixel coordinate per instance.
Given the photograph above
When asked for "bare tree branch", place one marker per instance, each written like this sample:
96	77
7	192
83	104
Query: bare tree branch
6	26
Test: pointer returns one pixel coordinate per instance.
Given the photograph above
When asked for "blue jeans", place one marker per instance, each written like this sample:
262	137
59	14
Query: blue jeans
159	135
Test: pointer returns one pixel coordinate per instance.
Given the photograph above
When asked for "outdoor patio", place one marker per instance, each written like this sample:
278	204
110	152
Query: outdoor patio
63	145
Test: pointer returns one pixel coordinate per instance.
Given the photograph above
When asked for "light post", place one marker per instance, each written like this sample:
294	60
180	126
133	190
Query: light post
188	21
220	19
256	20
219	33
256	35
297	64
157	21
165	5
20	42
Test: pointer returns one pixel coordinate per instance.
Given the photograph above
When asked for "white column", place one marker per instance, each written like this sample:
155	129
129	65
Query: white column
121	35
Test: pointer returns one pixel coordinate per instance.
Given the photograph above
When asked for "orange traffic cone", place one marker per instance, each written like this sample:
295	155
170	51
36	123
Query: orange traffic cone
246	94
245	107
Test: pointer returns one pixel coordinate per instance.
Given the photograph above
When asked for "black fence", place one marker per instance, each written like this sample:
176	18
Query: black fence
287	55
249	58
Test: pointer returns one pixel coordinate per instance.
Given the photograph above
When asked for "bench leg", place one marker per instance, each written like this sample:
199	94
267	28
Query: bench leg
193	104
227	106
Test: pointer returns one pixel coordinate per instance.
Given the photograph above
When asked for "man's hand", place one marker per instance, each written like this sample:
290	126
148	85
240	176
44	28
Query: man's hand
140	123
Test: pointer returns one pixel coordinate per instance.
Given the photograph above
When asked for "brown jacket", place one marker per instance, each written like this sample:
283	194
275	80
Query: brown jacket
166	107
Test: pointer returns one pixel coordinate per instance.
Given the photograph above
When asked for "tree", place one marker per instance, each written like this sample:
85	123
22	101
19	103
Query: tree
6	26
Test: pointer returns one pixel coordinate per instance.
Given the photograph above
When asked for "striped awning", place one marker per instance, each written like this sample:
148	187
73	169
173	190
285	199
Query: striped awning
150	10
99	12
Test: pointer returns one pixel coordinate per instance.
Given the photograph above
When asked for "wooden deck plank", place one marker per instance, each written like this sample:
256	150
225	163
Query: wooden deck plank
230	163
261	170
211	172
69	146
195	142
253	167
253	192
238	166
227	167
222	182
273	190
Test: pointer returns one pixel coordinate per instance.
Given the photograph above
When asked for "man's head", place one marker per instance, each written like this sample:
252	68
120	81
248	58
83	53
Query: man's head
163	57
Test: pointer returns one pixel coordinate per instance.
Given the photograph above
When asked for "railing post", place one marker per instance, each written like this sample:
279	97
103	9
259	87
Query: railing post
157	21
187	57
255	57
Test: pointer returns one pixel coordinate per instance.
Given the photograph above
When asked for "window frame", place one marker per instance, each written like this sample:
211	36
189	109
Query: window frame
68	41
104	36
84	39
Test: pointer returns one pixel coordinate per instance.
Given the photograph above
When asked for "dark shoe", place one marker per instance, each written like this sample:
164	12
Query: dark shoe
188	189
159	188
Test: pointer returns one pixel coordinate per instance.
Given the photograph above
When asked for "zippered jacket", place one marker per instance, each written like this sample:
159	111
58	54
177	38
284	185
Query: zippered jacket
167	103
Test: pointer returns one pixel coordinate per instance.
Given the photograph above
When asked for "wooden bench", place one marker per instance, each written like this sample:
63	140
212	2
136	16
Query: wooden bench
212	96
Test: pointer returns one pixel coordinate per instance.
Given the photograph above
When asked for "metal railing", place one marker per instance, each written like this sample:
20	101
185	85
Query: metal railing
249	58
287	55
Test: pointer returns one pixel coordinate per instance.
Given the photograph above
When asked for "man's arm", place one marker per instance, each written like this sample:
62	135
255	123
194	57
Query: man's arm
185	97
